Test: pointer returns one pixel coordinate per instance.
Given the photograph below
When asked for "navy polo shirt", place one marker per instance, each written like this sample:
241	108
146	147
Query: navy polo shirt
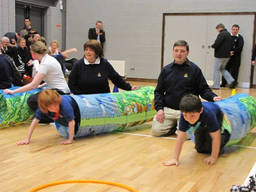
209	119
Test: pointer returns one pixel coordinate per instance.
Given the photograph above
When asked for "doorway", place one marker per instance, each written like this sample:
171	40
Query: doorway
199	31
35	14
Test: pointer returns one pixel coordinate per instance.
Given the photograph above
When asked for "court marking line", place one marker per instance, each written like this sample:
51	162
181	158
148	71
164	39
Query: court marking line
144	135
172	138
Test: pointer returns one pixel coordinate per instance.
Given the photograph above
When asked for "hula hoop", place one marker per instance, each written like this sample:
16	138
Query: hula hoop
84	181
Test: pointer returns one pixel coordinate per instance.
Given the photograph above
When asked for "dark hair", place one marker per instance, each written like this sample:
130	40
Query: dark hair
96	46
235	25
190	103
181	43
220	26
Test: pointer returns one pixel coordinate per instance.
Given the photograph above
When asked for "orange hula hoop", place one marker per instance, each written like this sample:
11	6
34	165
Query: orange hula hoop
84	181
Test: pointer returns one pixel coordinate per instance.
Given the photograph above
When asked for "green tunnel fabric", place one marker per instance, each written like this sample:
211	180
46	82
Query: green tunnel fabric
14	109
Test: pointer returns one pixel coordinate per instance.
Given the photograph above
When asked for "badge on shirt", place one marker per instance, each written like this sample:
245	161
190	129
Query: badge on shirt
186	75
99	74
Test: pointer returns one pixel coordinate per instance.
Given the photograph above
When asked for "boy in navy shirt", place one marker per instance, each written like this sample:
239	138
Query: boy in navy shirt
60	108
205	120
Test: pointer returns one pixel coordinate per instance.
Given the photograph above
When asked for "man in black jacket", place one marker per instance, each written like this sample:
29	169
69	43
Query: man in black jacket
97	33
235	59
179	78
222	48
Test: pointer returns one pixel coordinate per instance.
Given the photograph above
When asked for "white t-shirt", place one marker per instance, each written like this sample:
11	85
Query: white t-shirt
54	77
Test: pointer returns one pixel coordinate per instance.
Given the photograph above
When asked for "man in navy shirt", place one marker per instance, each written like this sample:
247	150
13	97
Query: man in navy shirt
6	72
61	108
205	121
177	79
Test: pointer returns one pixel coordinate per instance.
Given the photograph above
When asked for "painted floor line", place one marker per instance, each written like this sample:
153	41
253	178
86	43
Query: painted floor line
247	147
173	138
144	135
252	172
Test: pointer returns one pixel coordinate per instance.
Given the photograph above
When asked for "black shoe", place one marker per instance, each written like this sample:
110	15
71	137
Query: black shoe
233	85
222	85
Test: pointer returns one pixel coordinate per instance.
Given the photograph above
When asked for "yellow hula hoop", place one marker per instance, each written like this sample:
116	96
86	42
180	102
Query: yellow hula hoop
84	181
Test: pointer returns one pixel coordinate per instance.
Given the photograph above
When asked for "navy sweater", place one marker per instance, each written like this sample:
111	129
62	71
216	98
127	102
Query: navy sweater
6	73
93	78
177	80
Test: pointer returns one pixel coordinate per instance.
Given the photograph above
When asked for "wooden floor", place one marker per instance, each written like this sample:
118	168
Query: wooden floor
132	158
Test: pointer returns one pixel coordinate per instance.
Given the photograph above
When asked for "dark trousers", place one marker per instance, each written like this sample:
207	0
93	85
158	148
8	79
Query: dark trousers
203	140
233	68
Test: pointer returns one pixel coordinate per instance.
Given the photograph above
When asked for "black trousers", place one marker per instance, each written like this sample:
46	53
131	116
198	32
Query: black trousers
203	140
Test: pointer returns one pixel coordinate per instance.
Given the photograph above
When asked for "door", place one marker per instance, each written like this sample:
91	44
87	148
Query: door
189	29
36	15
246	23
199	30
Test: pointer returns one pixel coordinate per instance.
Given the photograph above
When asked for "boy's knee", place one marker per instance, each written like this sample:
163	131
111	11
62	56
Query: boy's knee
156	133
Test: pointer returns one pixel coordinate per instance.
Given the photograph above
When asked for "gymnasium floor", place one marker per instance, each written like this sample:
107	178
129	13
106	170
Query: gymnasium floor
133	158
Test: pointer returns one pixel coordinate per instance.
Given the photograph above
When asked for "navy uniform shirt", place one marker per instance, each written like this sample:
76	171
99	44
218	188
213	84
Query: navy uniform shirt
209	119
6	72
177	80
93	78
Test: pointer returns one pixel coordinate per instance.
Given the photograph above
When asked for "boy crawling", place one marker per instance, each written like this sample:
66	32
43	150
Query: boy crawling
205	120
61	108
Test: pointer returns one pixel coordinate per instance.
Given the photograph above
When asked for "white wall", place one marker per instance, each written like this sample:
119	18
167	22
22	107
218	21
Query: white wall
7	16
134	28
53	25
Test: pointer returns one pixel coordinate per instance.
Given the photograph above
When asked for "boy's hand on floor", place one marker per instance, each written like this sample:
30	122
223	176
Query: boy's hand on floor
210	160
66	142
170	163
23	142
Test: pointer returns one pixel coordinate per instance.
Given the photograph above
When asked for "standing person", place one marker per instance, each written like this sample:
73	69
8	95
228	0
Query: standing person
90	74
206	119
222	47
27	27
177	79
97	33
235	59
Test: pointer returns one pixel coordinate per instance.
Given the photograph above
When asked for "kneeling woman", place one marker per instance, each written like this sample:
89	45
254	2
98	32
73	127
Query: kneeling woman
61	108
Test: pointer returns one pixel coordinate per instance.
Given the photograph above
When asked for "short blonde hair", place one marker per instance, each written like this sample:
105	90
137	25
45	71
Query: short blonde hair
54	41
47	98
39	47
